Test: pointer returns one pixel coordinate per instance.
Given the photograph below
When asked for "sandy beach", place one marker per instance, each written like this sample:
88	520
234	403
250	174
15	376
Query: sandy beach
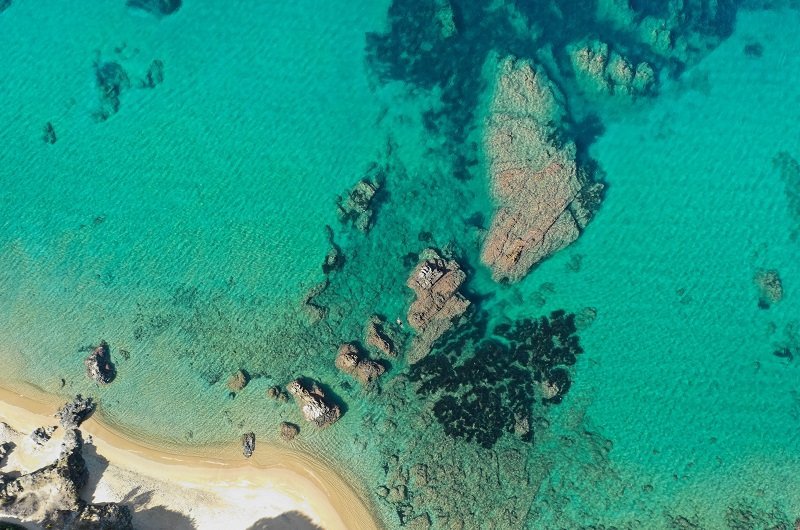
205	489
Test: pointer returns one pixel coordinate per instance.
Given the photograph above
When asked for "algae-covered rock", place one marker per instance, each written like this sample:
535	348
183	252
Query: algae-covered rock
351	361
158	8
289	431
358	206
770	287
535	177
377	337
238	381
435	282
600	69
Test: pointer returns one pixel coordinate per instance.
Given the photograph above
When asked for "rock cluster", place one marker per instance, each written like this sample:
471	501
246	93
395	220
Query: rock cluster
770	287
435	282
277	393
41	435
50	495
606	71
544	198
357	207
313	404
248	444
72	413
99	366
351	361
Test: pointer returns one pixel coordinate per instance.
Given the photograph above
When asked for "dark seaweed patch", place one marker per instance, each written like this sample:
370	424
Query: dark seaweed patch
485	383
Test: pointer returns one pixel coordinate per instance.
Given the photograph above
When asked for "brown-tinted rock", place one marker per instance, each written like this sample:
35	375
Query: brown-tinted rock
544	198
436	282
99	366
351	361
289	431
377	337
277	393
313	404
357	207
238	381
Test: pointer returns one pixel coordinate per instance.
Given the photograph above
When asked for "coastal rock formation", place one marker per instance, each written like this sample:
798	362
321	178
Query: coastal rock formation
603	70
289	431
544	198
72	413
158	8
41	435
99	366
313	405
358	206
377	338
248	444
5	448
50	496
350	361
435	282
238	381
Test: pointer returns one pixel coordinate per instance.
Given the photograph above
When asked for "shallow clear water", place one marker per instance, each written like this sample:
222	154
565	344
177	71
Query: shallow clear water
187	228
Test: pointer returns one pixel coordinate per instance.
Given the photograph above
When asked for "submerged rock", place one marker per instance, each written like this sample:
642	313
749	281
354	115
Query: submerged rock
377	337
49	134
99	366
313	405
154	75
604	70
770	287
4	4
248	444
111	79
358	206
545	199
438	303
238	381
289	431
72	414
277	393
350	361
158	8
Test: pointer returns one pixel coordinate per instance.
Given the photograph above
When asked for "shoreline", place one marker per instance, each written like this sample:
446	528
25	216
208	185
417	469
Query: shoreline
278	479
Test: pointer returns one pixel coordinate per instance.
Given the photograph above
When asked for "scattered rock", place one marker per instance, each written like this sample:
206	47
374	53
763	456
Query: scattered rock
49	134
334	260
770	287
238	381
248	444
99	366
159	8
754	49
438	303
585	318
104	516
377	337
111	79
314	309
313	405
289	431
74	412
545	199
350	361
603	70
41	435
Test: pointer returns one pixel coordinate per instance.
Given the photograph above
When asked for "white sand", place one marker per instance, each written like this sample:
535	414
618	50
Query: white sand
223	491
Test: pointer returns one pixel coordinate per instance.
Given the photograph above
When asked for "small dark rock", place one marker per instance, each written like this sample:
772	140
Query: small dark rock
158	8
248	444
154	75
49	134
754	49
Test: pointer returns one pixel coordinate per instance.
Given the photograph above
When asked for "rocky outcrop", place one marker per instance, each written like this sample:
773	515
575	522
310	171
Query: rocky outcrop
600	69
41	435
248	444
238	381
5	449
277	393
72	414
315	408
377	337
99	366
770	287
289	431
435	282
158	8
50	496
351	361
544	199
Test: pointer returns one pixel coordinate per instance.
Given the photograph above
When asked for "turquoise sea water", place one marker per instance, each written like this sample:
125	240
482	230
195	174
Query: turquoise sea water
187	228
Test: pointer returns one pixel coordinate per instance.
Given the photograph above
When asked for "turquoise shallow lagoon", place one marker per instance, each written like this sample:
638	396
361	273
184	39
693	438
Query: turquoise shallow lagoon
188	227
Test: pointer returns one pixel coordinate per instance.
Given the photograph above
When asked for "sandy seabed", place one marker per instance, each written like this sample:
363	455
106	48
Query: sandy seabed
210	488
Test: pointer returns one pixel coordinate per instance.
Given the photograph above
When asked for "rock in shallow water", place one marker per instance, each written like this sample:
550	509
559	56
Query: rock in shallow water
248	444
289	431
99	366
72	414
350	361
770	287
158	8
545	199
313	404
